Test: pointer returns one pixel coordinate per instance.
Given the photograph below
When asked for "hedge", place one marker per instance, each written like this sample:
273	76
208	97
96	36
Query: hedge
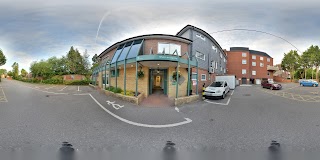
77	82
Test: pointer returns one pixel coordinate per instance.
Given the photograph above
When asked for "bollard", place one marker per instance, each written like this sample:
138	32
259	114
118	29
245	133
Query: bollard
66	152
203	89
169	151
274	150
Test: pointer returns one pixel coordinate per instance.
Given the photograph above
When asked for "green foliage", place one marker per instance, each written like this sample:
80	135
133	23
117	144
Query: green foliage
3	58
53	80
15	70
128	93
32	80
290	62
10	73
77	82
23	72
3	71
174	75
115	90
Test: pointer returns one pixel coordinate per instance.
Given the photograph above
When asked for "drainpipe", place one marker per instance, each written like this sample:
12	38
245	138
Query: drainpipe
177	73
109	75
105	76
136	93
197	76
188	91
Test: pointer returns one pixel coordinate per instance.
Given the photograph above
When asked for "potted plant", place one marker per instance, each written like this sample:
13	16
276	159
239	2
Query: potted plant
175	75
140	74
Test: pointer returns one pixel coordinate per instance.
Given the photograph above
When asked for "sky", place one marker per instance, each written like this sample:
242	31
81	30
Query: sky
31	30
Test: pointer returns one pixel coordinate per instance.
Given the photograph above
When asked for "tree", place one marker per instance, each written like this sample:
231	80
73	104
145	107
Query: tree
15	70
3	59
23	72
314	51
3	71
10	73
74	61
304	61
290	62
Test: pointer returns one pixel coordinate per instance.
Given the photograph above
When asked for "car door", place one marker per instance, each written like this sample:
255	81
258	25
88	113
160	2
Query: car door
226	87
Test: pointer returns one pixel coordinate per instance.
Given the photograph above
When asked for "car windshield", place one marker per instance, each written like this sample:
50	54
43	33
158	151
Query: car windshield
217	84
271	82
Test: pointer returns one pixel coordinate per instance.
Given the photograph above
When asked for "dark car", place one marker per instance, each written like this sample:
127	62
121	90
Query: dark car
271	85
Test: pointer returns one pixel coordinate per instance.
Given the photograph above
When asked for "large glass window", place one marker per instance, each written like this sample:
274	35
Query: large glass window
116	55
135	49
254	73
244	71
124	52
169	48
194	76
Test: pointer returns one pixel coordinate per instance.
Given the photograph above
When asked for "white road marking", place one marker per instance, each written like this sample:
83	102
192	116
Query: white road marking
114	105
63	88
4	97
81	94
79	89
232	92
187	120
50	87
225	104
177	109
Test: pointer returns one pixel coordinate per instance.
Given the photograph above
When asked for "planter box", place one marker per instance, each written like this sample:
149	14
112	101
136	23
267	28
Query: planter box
187	99
131	99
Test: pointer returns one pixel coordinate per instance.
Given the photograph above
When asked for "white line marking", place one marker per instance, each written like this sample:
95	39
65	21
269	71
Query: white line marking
177	109
81	94
187	120
5	97
225	104
114	105
232	92
50	87
63	88
78	88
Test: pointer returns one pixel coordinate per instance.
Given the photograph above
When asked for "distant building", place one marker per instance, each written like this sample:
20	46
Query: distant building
250	66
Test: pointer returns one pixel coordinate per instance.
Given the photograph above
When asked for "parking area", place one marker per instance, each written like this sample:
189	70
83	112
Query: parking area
296	92
219	100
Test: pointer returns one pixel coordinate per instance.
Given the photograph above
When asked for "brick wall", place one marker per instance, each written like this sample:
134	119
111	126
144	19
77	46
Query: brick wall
73	77
209	79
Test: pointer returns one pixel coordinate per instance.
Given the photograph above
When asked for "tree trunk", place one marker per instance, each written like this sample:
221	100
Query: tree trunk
317	73
312	73
305	73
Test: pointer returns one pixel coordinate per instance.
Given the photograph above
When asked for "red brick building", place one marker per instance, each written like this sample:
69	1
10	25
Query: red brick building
249	66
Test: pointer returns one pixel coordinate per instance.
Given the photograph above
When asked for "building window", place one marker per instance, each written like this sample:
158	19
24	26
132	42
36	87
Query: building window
244	61
200	55
254	64
261	58
201	37
254	57
244	54
221	69
194	76
169	48
203	77
224	59
261	64
220	55
268	59
113	73
254	73
214	48
225	71
216	65
244	71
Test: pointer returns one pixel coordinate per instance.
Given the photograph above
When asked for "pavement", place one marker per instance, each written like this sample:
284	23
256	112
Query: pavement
33	115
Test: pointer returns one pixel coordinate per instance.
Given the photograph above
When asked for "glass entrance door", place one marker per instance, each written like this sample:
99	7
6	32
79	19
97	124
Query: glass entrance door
158	81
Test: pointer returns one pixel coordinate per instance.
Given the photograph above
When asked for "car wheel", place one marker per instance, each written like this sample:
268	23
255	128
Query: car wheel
271	88
301	85
314	85
223	95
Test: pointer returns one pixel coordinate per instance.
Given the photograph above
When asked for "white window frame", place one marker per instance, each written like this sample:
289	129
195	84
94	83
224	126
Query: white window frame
220	55
255	57
216	65
205	77
224	70
261	58
261	64
244	71
214	48
169	44
254	73
244	60
268	59
193	73
255	63
201	36
244	54
204	56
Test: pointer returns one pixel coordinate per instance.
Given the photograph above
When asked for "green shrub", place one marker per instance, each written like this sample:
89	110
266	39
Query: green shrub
53	80
77	82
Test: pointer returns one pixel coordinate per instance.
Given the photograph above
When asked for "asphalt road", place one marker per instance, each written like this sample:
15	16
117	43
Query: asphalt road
33	115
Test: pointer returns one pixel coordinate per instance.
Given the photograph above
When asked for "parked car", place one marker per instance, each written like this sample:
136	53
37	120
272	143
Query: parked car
310	83
271	85
217	89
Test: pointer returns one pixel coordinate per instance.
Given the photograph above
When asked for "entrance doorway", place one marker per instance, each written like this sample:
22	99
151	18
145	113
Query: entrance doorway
244	80
158	81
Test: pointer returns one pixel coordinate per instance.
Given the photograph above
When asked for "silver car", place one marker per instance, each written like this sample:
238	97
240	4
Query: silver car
217	89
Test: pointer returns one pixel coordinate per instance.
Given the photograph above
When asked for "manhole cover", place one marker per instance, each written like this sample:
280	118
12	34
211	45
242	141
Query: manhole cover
247	94
47	95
